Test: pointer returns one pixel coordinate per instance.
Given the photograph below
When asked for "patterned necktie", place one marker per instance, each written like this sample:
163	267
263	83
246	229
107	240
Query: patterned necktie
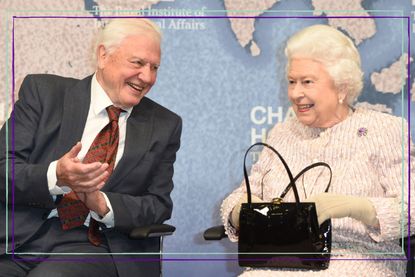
72	211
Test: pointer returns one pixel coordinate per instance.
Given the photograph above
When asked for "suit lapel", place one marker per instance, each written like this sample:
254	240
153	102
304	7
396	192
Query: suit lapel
137	139
75	112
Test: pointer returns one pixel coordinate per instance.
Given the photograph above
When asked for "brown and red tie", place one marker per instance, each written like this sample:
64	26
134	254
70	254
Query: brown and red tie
72	211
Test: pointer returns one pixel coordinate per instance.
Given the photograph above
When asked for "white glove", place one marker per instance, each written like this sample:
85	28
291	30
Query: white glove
237	209
330	205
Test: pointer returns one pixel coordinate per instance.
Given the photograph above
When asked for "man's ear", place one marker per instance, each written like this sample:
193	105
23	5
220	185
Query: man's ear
102	56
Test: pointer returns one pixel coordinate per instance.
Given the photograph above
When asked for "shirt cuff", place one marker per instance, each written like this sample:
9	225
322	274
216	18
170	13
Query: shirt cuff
54	189
108	219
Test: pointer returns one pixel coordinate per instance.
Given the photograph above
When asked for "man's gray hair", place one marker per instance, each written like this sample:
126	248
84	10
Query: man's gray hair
118	29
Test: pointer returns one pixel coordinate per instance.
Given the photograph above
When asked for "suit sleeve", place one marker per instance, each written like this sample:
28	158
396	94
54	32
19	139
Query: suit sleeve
155	205
25	179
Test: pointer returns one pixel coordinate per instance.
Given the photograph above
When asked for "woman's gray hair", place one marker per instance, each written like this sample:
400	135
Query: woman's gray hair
118	29
335	51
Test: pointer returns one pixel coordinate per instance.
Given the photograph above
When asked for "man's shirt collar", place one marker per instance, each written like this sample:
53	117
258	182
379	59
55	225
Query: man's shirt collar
100	99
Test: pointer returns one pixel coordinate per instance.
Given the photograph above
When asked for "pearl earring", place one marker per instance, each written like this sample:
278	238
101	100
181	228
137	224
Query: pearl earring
341	100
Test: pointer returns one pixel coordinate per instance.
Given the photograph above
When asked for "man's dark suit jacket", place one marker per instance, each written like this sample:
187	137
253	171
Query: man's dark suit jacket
47	121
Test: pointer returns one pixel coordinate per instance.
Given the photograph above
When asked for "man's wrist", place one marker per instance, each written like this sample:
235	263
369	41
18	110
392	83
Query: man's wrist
54	186
101	209
107	216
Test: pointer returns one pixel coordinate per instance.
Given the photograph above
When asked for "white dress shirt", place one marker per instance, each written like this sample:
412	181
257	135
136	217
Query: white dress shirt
97	119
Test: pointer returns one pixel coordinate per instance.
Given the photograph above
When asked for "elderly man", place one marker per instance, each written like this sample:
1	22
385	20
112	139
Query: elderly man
89	160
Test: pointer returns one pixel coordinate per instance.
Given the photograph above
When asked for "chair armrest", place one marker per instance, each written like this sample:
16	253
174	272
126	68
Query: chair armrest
215	233
150	231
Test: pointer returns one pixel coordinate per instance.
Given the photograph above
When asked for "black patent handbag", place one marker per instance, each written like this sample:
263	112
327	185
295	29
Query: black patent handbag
283	235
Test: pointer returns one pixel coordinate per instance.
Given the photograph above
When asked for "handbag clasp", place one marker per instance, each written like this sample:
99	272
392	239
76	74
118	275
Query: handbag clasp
276	200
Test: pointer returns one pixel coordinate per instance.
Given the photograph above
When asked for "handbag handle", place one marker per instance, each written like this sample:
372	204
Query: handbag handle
292	179
290	175
287	189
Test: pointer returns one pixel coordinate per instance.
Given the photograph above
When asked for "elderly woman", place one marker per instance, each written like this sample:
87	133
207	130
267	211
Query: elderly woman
367	200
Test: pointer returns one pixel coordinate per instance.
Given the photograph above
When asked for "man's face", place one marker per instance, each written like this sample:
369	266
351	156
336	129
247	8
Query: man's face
128	73
314	97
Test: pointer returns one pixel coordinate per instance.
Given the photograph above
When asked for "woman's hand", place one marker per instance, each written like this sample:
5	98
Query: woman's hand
237	209
330	205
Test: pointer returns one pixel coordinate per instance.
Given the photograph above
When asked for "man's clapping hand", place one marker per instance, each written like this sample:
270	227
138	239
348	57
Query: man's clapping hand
80	177
85	180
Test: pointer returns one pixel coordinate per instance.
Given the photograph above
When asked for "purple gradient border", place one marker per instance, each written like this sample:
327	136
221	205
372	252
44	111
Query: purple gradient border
408	19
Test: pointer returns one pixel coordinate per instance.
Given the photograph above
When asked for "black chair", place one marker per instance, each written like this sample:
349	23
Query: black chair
410	270
151	231
218	233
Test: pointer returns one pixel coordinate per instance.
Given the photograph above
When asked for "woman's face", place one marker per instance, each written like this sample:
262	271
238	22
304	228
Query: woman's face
314	97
